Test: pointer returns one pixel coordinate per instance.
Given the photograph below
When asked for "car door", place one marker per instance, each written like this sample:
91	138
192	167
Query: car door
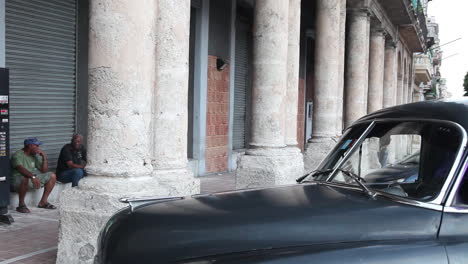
454	234
395	252
454	227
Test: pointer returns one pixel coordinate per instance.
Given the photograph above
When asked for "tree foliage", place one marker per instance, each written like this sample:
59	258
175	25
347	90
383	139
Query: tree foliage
465	85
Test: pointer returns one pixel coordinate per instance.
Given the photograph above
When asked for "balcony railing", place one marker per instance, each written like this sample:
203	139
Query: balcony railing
423	60
423	67
409	16
421	19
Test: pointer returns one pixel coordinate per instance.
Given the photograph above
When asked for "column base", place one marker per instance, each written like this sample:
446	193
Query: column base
84	210
316	150
269	167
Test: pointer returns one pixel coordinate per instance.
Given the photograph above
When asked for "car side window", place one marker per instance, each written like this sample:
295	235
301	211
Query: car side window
408	159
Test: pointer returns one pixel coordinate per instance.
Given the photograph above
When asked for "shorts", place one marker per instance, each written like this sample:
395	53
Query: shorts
43	177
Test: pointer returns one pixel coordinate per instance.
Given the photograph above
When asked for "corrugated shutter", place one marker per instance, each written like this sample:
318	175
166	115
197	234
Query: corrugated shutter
41	56
242	85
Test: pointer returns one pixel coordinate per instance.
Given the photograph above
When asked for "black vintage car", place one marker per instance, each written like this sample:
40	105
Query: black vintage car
344	212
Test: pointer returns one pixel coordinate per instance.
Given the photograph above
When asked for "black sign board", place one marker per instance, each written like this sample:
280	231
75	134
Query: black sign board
4	141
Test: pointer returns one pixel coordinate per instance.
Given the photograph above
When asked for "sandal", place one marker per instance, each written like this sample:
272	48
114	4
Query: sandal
47	206
23	209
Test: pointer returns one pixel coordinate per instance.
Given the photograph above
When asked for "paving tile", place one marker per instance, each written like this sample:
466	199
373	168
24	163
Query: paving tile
217	183
44	258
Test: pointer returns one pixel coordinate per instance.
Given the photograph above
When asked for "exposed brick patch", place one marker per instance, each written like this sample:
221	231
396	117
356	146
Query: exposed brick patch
301	115
217	118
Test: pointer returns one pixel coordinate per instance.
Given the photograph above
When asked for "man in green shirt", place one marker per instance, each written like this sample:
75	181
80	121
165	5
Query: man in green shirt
31	172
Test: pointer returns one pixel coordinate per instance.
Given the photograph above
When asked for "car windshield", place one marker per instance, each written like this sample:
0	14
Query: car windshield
407	159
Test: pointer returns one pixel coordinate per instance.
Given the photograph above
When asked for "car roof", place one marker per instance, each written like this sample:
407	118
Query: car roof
455	110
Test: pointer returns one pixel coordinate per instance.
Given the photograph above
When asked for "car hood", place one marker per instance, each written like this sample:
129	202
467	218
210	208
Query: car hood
249	220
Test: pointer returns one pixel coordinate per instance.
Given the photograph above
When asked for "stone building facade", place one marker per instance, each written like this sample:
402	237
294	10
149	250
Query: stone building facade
166	91
428	78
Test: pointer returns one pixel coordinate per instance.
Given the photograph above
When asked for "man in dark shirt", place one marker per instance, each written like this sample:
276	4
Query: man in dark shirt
72	161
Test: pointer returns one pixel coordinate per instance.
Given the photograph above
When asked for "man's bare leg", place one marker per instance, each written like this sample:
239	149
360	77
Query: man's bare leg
48	189
22	190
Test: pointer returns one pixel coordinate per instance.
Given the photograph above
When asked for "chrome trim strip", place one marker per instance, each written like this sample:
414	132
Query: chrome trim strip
135	203
456	210
148	199
353	148
323	161
394	198
444	191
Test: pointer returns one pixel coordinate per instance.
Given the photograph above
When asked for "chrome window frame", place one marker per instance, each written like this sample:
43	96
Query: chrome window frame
352	150
438	201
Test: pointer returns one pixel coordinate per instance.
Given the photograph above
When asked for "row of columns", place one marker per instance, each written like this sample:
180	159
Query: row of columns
137	141
370	82
138	67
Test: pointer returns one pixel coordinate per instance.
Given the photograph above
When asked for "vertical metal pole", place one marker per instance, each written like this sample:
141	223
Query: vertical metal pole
201	85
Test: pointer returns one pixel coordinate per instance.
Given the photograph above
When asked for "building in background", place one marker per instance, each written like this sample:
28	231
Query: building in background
428	79
166	91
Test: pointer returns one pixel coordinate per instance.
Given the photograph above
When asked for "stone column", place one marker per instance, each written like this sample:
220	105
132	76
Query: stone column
267	161
341	69
171	98
294	31
405	89
270	49
327	82
389	75
400	79
122	71
376	71
398	89
410	91
409	81
357	58
418	94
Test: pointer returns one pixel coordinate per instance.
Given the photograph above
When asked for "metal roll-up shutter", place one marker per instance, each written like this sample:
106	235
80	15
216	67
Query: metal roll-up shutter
241	85
41	56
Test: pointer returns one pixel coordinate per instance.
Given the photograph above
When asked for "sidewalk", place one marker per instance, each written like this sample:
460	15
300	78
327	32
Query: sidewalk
33	238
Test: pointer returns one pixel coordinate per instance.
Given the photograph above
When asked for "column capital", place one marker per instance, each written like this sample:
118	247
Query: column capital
362	12
390	44
378	30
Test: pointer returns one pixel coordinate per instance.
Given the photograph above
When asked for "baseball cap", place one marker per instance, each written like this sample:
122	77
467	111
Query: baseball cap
33	141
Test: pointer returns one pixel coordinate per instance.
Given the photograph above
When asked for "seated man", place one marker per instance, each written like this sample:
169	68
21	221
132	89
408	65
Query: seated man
72	161
30	172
